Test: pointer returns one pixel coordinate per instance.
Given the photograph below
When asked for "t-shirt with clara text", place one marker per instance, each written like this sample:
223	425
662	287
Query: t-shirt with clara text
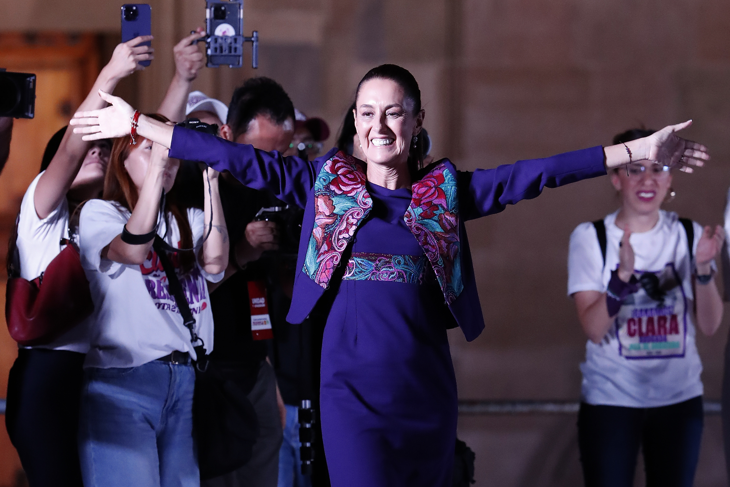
648	358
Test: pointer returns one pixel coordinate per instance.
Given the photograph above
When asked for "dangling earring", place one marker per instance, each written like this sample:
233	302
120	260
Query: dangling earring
415	141
670	195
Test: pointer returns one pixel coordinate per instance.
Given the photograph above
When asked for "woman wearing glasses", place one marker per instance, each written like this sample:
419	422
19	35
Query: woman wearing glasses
642	280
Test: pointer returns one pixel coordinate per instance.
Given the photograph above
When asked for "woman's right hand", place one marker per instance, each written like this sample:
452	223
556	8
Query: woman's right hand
625	257
160	157
127	56
107	123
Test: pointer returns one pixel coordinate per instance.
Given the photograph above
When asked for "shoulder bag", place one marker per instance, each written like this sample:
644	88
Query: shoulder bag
40	310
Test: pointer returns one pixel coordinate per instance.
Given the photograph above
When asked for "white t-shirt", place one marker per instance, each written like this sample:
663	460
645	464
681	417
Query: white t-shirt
39	242
135	318
649	357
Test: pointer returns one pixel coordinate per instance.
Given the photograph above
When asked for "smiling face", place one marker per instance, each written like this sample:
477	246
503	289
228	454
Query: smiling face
93	168
385	122
138	161
643	191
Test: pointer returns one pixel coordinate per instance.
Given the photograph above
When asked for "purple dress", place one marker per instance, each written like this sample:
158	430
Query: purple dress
388	391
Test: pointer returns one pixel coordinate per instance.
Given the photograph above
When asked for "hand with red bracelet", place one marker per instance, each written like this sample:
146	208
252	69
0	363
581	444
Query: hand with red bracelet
110	122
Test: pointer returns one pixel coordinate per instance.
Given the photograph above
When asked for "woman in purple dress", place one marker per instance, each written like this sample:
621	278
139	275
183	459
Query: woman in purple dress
384	254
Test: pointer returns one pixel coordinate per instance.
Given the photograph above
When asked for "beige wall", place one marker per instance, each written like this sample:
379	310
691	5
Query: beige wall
501	80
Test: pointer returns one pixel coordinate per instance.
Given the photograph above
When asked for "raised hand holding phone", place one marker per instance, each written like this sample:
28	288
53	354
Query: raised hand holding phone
129	56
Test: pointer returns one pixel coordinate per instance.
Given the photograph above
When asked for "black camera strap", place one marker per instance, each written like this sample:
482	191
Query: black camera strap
176	290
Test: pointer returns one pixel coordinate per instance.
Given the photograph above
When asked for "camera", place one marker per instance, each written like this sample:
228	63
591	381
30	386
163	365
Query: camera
195	124
289	220
224	25
130	13
17	94
219	12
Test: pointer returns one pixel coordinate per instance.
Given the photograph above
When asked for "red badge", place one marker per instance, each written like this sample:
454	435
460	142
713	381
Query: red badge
260	320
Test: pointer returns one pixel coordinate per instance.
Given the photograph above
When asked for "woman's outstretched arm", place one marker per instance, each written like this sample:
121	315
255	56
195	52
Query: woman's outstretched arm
288	178
484	192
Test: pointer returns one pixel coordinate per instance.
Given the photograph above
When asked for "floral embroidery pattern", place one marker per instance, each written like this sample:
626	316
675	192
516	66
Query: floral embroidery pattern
410	269
341	203
433	218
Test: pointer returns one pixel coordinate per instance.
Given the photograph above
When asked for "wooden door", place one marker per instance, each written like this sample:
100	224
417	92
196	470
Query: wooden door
65	67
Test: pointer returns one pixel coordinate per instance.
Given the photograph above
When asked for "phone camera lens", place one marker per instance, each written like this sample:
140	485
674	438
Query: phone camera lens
219	12
130	12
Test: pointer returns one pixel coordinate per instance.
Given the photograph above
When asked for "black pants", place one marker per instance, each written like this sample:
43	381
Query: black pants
42	415
609	438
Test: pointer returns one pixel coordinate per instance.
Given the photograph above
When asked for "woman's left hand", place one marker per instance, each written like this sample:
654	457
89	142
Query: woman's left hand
666	148
708	248
107	123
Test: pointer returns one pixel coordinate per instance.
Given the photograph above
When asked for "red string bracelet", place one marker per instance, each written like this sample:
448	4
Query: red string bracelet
133	130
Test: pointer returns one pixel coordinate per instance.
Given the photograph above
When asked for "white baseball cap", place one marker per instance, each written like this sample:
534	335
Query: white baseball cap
199	101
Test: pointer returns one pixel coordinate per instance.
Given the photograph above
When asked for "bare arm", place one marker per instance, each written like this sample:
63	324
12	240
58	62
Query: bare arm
188	61
144	215
708	302
593	314
56	181
6	133
214	255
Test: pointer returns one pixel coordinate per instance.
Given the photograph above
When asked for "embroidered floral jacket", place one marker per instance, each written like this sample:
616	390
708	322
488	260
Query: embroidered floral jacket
333	191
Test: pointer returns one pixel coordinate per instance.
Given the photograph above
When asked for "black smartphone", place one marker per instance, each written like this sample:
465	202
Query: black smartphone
136	21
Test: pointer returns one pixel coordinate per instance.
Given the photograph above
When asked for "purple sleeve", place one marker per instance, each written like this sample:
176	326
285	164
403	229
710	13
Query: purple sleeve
487	191
289	178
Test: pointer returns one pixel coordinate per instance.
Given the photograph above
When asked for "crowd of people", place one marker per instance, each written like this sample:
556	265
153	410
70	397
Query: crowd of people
363	249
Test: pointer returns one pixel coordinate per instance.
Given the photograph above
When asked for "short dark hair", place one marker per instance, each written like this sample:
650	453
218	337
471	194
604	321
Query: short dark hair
258	96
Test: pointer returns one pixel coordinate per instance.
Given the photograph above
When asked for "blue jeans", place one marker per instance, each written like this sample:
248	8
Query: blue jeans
609	438
290	472
136	427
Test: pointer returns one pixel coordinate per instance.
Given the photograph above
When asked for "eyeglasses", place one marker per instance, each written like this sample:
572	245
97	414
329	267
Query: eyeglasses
311	148
637	171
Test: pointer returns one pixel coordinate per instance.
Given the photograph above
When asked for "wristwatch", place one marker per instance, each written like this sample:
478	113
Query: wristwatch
704	278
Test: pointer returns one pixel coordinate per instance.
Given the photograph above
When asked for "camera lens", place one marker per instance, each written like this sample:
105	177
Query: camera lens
9	94
130	12
219	12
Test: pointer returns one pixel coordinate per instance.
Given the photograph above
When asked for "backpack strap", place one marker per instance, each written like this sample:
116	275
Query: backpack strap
601	234
689	229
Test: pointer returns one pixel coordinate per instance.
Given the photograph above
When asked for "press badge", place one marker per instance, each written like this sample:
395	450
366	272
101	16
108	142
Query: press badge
260	319
652	322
